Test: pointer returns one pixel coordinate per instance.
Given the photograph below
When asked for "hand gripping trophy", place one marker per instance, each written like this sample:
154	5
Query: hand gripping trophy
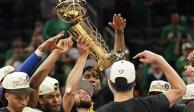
74	12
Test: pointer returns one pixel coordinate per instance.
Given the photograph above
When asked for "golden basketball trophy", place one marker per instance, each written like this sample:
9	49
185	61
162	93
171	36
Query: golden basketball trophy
74	12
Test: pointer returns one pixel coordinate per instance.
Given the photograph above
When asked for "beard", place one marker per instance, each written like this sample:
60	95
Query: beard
83	104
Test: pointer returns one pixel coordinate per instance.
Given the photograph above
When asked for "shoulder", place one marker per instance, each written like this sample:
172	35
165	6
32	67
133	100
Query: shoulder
156	100
178	108
168	27
105	108
155	97
181	27
156	103
4	109
180	60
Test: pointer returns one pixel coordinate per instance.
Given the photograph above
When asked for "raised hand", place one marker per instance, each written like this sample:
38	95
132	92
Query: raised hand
190	72
118	23
83	46
51	43
64	45
147	57
191	56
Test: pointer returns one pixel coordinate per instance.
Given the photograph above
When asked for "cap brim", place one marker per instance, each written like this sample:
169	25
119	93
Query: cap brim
22	90
87	86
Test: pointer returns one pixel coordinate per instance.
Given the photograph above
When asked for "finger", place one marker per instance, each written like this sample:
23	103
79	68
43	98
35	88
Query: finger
62	42
121	18
124	21
57	47
78	40
87	46
69	40
114	18
83	41
111	24
119	15
90	45
142	60
57	37
139	55
70	44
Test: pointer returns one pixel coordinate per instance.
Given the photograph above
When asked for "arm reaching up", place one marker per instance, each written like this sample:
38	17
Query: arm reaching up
178	86
75	75
118	24
44	69
189	69
33	60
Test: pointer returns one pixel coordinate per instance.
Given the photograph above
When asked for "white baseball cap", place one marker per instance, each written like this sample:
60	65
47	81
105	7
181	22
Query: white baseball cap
189	92
187	46
48	86
159	86
17	82
5	70
28	109
123	69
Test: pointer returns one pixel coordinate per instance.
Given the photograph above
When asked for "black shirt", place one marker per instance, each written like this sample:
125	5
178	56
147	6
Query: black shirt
103	97
4	109
155	103
178	108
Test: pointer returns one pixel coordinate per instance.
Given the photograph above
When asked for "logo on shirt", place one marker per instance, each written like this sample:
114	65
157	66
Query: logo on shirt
121	71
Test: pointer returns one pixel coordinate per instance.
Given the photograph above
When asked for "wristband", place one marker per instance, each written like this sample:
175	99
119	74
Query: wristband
39	53
119	32
68	90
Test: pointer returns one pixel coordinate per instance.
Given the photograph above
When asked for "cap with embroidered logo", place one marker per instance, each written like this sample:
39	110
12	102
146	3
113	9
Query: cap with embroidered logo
48	86
17	82
159	86
123	69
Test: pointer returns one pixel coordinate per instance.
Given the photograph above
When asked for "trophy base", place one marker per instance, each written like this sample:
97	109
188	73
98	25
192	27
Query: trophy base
104	63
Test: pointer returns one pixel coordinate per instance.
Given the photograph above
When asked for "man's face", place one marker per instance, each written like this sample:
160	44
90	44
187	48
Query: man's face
156	69
93	78
51	102
186	52
82	99
175	19
17	102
